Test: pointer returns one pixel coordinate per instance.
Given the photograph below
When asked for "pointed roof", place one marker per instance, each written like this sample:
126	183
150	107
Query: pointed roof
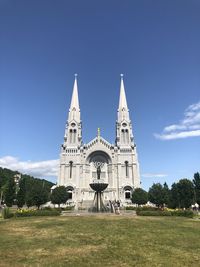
74	100
122	98
123	112
74	111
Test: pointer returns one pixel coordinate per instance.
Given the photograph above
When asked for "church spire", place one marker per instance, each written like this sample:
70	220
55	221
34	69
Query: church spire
74	111
122	98
73	130
123	112
124	135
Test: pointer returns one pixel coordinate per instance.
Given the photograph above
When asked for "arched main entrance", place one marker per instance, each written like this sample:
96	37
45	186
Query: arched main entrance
70	190
128	190
100	165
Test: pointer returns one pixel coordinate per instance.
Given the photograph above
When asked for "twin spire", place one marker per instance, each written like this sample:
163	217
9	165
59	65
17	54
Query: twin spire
123	112
122	98
74	111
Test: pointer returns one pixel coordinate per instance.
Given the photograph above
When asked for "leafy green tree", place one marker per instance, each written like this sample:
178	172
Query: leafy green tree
9	193
185	193
21	194
156	194
139	196
166	194
174	200
196	182
36	196
59	195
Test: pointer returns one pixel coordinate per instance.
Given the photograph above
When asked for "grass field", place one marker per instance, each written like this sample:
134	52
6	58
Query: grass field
100	241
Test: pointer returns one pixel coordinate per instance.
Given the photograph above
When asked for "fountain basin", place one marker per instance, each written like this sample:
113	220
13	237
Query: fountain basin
98	187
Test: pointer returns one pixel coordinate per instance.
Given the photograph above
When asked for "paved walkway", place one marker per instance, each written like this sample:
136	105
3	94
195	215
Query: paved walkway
86	213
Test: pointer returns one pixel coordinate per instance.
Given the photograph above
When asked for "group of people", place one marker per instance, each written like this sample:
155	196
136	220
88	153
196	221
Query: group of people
114	206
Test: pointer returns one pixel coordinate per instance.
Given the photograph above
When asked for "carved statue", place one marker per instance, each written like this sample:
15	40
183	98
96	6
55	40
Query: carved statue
98	172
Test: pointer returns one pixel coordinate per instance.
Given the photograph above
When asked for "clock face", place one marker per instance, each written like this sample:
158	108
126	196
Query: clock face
124	124
73	124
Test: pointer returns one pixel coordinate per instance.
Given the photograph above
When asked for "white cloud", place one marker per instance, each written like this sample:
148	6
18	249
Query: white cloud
154	175
189	126
39	169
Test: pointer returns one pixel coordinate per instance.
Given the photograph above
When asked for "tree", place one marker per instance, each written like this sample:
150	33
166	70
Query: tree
166	194
174	201
156	194
185	193
9	193
21	194
37	195
196	182
59	195
139	196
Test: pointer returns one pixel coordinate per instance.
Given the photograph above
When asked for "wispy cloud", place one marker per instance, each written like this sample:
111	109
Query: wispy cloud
39	169
154	175
189	126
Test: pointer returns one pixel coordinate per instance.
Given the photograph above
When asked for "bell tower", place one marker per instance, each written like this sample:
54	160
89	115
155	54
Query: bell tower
124	134
73	129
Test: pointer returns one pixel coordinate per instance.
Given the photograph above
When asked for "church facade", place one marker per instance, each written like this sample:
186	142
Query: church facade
117	163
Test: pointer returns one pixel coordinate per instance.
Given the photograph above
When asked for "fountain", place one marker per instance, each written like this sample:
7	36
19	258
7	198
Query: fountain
98	186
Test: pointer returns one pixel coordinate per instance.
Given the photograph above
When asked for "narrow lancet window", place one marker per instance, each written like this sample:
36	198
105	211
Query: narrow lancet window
70	169
126	168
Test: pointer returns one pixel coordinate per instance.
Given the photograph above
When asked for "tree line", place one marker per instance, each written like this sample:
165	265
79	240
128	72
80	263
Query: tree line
32	191
182	194
29	191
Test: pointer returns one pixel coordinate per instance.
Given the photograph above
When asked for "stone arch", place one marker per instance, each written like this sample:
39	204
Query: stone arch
128	190
99	155
70	190
100	165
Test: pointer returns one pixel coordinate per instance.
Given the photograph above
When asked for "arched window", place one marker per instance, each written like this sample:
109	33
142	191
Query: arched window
70	169
126	168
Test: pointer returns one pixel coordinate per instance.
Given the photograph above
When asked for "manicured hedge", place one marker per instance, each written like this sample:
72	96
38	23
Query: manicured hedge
130	208
153	213
148	208
29	213
183	213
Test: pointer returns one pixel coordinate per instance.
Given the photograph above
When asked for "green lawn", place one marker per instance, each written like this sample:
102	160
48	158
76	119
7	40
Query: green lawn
100	241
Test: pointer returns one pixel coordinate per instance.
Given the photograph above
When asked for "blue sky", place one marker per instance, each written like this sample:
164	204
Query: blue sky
155	44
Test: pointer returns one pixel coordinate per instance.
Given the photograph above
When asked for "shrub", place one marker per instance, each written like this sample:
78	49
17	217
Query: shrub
147	208
29	213
130	208
159	212
81	208
6	214
153	213
68	208
184	213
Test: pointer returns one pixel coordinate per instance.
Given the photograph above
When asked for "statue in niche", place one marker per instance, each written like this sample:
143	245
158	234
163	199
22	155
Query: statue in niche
98	172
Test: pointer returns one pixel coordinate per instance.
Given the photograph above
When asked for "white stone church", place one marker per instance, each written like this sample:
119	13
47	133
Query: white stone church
118	162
